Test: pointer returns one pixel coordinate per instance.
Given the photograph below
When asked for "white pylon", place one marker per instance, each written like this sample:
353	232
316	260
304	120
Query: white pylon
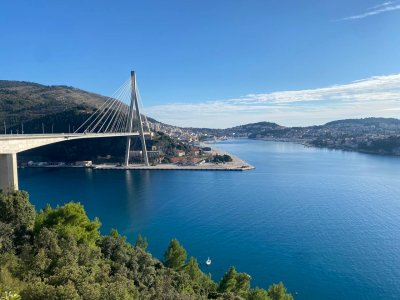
134	102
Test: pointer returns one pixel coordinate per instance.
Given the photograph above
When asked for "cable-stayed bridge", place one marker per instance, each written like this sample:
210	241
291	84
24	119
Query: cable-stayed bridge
121	115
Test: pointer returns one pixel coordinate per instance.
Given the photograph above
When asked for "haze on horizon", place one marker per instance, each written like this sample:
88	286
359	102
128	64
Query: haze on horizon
215	64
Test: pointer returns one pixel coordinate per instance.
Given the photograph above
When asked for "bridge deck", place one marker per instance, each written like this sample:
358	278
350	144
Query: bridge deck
65	135
20	142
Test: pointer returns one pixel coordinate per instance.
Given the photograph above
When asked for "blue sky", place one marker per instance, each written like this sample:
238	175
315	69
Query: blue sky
215	63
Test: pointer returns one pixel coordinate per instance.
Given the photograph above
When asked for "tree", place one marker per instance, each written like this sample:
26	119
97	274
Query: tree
66	258
193	270
6	238
234	282
228	281
242	283
115	247
279	292
16	210
70	219
9	263
201	283
175	256
141	242
227	158
258	294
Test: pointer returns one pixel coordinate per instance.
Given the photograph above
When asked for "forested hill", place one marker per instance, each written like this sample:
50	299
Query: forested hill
22	102
55	109
62	109
241	130
366	122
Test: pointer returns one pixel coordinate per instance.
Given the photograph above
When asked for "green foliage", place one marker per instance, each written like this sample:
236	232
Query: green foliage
242	283
201	283
26	101
168	145
175	256
66	258
9	263
141	242
6	238
9	295
228	281
234	282
17	216
16	210
193	270
258	294
279	292
222	158
70	219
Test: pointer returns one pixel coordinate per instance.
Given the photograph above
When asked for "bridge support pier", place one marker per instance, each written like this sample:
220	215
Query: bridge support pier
8	172
134	105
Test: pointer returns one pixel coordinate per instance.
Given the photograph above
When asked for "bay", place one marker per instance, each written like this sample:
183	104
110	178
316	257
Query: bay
326	223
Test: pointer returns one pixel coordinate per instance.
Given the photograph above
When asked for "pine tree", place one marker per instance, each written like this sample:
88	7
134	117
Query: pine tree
141	242
193	270
242	283
279	292
258	294
228	282
175	256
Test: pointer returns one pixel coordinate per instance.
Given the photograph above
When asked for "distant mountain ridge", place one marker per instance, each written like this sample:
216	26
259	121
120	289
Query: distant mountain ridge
370	121
370	135
64	108
364	122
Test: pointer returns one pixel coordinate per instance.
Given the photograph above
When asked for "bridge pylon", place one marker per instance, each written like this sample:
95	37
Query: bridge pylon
134	106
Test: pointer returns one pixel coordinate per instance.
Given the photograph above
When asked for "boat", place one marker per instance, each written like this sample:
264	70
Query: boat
208	261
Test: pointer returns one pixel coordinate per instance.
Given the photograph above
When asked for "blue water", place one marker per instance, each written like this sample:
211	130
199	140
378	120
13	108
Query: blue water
326	223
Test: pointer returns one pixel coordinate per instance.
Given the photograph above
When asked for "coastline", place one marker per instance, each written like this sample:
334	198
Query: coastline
236	164
306	143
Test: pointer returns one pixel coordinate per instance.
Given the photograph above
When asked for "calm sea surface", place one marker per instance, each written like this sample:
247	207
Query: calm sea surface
326	223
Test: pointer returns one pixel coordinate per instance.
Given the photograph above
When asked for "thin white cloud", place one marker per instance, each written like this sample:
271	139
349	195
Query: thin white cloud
384	4
375	96
376	10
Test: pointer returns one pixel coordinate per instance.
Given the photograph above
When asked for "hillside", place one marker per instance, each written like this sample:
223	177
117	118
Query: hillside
241	130
366	122
369	135
60	109
26	101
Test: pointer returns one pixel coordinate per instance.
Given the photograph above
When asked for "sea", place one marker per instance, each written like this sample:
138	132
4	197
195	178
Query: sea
324	222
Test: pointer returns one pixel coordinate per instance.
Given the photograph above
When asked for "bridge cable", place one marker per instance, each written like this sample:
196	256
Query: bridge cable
100	108
116	111
104	113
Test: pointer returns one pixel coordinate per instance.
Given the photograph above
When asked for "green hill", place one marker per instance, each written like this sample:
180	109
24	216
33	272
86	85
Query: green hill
54	109
23	102
62	109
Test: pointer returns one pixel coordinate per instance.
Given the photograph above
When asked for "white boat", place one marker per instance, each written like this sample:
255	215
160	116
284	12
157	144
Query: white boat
208	262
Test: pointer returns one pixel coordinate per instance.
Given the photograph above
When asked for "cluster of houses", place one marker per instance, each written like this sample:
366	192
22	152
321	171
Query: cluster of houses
183	135
196	155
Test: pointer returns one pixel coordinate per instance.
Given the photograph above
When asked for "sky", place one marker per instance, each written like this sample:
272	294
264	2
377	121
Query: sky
215	63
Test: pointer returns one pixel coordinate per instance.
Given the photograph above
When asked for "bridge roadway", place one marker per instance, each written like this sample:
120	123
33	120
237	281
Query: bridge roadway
11	144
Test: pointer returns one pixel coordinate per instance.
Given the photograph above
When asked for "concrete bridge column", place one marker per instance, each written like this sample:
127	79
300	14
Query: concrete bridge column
8	172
